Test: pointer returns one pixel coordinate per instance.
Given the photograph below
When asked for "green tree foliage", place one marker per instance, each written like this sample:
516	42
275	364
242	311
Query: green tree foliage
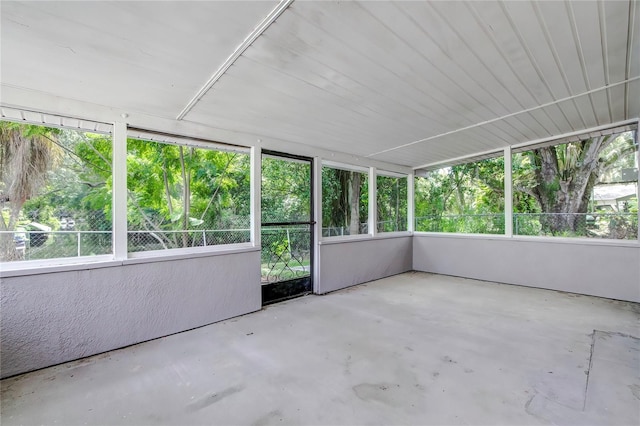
552	190
465	198
561	178
391	204
344	196
176	191
176	194
286	190
50	175
27	153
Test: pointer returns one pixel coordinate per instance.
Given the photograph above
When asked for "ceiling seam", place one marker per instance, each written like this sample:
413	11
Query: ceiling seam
493	120
347	76
434	116
534	63
248	41
389	70
554	52
376	116
432	86
419	27
474	12
479	155
435	66
583	63
605	59
475	54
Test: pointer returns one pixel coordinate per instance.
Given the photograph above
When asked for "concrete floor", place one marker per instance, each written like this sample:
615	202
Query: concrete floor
411	349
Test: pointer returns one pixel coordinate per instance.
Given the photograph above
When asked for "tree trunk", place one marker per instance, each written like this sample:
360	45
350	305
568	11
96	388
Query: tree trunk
24	163
458	180
566	175
166	186
354	203
186	195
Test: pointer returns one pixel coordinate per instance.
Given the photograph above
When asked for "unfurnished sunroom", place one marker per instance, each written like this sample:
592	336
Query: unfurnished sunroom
171	165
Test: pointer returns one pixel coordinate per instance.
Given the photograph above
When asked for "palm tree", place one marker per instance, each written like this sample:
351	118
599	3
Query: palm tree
27	153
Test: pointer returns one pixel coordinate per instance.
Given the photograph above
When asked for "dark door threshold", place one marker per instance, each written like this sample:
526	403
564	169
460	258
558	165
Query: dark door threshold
285	290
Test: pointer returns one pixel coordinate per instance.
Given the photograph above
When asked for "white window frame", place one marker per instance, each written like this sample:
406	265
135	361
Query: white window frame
633	124
410	203
183	252
350	168
28	267
120	131
615	128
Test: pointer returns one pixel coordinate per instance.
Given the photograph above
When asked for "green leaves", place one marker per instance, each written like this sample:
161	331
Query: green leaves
462	198
176	188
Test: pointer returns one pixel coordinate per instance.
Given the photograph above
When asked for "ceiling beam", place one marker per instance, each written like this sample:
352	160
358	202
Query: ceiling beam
493	120
248	41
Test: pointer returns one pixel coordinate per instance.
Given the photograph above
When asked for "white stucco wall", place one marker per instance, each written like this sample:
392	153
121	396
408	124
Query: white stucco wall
56	317
50	318
347	263
598	269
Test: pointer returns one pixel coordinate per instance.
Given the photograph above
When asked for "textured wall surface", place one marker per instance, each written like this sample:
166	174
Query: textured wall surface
52	318
599	270
353	262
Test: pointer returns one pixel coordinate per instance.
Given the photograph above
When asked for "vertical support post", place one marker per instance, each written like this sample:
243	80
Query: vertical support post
79	248
638	182
119	195
316	176
508	193
373	201
256	182
411	202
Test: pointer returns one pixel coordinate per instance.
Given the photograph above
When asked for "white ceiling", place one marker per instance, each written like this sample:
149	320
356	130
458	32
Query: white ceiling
410	83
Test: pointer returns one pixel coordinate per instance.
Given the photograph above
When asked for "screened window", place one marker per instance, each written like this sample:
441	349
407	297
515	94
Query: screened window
391	204
55	193
465	198
183	196
587	188
344	202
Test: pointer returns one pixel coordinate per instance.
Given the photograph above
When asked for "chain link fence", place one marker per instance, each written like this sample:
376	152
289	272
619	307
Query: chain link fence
286	249
620	226
286	252
34	245
462	223
163	240
79	237
382	226
60	237
339	231
231	230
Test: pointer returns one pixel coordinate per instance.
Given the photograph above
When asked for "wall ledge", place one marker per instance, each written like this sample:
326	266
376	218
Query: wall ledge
364	237
533	239
20	269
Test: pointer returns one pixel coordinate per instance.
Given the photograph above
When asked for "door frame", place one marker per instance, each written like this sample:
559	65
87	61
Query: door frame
295	287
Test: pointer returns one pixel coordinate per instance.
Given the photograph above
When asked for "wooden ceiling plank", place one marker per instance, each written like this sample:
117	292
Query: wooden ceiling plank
452	59
633	99
354	94
375	42
491	19
326	48
615	25
284	109
618	107
455	49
